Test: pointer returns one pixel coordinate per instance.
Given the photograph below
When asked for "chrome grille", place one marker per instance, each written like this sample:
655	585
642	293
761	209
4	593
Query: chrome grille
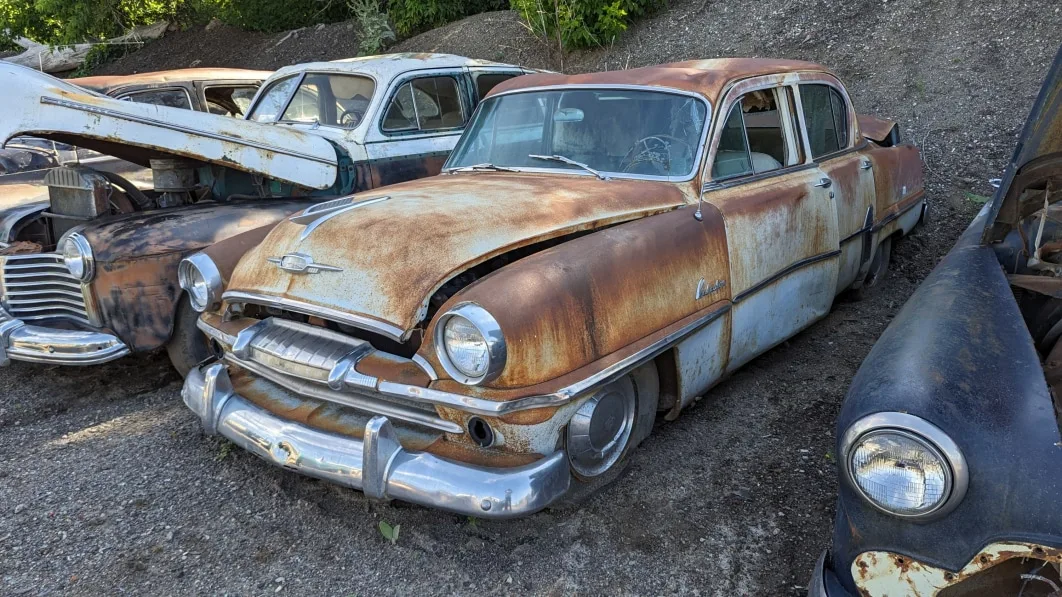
301	350
40	287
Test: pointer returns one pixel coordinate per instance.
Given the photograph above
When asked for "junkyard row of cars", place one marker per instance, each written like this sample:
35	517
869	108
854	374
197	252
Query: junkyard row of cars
476	287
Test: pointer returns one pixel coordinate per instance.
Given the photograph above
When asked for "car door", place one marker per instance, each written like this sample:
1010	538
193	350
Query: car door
422	117
781	224
828	119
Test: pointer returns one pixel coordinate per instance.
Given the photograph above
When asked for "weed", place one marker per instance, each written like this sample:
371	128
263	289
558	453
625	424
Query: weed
389	532
975	198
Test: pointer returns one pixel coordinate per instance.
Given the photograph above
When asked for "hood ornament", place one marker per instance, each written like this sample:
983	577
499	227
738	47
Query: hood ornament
301	263
318	214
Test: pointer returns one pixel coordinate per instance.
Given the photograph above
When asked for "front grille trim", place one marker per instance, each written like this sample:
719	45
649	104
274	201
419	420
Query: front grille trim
38	287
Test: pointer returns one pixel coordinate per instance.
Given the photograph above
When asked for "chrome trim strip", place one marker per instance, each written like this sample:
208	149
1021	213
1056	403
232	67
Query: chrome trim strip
708	119
426	366
181	129
331	214
758	286
214	333
889	218
385	329
355	401
376	463
921	429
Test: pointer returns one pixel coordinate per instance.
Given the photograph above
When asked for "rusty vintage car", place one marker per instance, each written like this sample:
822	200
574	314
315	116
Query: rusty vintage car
101	278
948	442
600	249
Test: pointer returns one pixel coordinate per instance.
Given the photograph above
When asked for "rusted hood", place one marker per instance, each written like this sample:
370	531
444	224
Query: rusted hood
394	254
40	105
874	128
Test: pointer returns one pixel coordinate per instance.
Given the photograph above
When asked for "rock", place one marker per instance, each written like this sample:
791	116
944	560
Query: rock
19	508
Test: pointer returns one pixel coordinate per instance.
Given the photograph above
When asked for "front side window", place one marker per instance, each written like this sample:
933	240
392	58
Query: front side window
229	100
425	104
826	117
753	139
274	99
173	98
618	131
333	100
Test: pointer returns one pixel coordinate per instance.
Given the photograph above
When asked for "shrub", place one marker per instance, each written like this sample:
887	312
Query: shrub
61	22
372	23
581	23
414	16
272	15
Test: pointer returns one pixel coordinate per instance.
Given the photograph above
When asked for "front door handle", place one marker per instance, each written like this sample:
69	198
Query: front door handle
866	165
824	183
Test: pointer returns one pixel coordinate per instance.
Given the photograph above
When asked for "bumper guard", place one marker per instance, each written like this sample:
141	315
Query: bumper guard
377	464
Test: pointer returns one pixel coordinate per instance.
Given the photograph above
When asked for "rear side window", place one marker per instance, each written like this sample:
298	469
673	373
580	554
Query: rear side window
487	81
826	116
173	98
754	138
229	100
425	104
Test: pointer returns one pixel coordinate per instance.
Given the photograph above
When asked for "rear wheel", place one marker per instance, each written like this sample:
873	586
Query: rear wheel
187	346
606	429
878	267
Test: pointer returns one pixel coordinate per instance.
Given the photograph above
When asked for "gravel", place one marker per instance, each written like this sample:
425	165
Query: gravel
109	486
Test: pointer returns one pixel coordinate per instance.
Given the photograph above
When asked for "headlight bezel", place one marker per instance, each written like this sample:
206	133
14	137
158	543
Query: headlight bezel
922	431
84	258
202	265
488	329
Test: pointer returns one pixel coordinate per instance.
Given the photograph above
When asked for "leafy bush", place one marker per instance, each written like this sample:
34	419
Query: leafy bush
373	25
61	22
581	23
414	16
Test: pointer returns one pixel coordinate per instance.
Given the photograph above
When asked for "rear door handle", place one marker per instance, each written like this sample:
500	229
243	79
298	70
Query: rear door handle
824	183
866	165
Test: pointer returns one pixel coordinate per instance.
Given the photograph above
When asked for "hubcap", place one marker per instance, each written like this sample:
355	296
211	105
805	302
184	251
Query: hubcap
599	431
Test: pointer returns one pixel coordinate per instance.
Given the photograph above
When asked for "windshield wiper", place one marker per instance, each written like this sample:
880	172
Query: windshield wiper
560	158
483	166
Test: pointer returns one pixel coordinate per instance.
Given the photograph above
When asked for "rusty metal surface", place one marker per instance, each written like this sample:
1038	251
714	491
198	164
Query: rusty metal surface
106	84
874	128
706	77
135	289
432	229
879	573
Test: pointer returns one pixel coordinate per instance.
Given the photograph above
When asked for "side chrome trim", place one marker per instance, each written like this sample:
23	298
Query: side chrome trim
181	129
426	366
324	217
920	428
744	294
920	196
385	329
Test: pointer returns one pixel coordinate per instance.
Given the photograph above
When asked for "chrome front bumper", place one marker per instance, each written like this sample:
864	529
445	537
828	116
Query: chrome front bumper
36	344
377	464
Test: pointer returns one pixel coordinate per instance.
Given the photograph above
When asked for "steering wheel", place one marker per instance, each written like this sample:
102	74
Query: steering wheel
351	118
652	146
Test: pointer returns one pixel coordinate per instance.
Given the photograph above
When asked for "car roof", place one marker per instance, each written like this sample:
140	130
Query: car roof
707	78
385	67
107	83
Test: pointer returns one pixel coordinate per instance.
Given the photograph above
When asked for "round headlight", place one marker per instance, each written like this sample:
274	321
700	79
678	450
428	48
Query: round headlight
77	256
199	277
470	344
904	465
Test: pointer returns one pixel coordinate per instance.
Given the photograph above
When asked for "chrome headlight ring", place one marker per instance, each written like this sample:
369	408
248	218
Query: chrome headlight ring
907	427
199	276
471	320
77	256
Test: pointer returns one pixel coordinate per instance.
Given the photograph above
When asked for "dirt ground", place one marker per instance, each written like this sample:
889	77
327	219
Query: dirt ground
107	485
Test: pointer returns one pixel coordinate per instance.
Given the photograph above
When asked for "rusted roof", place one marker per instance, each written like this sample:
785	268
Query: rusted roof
106	83
704	77
385	67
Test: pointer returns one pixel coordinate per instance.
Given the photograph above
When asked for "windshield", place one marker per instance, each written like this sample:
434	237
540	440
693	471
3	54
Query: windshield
325	99
614	131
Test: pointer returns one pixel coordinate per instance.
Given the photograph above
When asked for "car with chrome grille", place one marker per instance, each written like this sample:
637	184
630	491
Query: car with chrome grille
948	441
600	249
89	274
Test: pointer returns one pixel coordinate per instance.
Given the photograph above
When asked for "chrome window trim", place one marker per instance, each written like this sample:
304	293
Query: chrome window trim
488	328
407	78
851	117
922	430
302	77
385	329
701	151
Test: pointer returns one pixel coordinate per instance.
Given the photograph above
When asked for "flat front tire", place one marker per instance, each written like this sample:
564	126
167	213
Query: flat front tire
187	346
606	429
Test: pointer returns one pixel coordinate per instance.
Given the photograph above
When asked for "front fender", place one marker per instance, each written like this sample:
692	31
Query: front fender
959	355
568	307
135	290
